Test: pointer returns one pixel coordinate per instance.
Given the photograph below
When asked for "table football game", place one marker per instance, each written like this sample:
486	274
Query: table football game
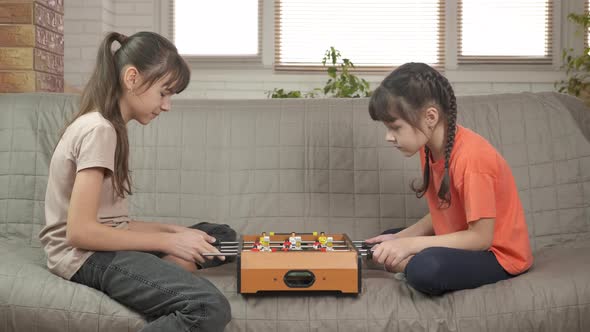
302	262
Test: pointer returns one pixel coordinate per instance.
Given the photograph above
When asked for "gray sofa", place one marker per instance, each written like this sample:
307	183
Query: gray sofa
307	165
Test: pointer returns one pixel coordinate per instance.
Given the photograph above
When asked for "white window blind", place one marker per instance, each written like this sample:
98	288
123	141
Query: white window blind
505	31
374	35
219	28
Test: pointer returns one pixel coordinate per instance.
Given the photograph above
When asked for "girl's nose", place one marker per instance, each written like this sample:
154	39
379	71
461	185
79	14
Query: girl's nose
166	105
389	137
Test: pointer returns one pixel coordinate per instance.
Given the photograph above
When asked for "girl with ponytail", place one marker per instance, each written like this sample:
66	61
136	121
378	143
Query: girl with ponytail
476	232
89	237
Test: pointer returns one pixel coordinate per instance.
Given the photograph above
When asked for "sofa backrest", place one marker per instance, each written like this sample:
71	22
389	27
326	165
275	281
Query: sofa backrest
302	165
29	127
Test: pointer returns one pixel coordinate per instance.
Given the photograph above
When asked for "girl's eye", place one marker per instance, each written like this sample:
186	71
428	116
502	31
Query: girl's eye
392	127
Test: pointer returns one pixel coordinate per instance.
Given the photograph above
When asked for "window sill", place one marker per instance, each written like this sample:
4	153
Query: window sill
224	62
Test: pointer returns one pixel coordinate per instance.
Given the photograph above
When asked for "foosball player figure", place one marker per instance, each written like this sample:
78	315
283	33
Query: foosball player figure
265	242
257	245
294	242
322	239
316	245
330	243
286	245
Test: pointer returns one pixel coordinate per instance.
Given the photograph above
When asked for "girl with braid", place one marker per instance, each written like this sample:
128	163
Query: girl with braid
475	233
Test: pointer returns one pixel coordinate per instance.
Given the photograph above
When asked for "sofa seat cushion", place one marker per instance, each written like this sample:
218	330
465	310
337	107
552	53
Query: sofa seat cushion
554	295
545	298
33	299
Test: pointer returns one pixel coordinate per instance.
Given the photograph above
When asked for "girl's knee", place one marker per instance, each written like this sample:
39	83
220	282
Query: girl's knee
424	262
222	308
211	309
423	272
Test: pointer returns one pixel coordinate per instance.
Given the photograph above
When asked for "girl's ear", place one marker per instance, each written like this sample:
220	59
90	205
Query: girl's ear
130	78
431	116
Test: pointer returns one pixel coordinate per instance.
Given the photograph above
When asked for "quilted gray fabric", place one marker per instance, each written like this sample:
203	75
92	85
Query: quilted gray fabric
307	165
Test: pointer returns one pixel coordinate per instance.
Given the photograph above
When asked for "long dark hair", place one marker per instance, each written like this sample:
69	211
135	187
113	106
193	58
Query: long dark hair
406	92
154	57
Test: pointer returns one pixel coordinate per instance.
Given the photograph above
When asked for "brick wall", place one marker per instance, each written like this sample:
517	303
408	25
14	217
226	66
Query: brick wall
86	21
31	46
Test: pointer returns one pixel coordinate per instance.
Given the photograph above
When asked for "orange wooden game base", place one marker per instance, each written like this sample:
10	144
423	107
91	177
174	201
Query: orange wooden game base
299	271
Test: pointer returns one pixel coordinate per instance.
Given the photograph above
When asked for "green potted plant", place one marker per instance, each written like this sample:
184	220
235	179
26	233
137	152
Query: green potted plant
577	67
341	83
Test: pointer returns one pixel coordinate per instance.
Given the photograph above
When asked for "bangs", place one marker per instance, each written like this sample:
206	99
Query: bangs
176	72
380	105
180	76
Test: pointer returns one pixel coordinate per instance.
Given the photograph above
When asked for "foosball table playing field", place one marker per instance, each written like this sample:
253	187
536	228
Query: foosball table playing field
293	262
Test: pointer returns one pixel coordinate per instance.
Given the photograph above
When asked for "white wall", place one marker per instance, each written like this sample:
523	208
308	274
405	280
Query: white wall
86	22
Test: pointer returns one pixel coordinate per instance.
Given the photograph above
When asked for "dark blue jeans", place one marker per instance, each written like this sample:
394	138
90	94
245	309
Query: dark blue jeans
169	297
437	270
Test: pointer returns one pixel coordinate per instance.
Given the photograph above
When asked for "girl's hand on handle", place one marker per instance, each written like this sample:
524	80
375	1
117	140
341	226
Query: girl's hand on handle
381	238
190	244
181	229
392	252
208	237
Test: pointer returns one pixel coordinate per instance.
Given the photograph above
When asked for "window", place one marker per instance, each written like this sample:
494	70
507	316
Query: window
375	35
217	29
505	31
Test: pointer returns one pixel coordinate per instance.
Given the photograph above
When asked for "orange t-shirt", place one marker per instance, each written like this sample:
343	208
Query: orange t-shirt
482	186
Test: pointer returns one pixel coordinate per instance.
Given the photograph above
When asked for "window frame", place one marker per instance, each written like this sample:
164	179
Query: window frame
587	32
278	68
503	61
166	23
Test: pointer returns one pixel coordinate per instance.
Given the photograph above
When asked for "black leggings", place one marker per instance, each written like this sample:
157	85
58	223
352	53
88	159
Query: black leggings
437	270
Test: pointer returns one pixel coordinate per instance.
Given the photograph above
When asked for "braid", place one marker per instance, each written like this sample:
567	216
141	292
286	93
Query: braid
430	82
420	191
444	192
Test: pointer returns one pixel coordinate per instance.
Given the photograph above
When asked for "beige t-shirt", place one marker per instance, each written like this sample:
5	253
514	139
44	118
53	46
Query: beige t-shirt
90	141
